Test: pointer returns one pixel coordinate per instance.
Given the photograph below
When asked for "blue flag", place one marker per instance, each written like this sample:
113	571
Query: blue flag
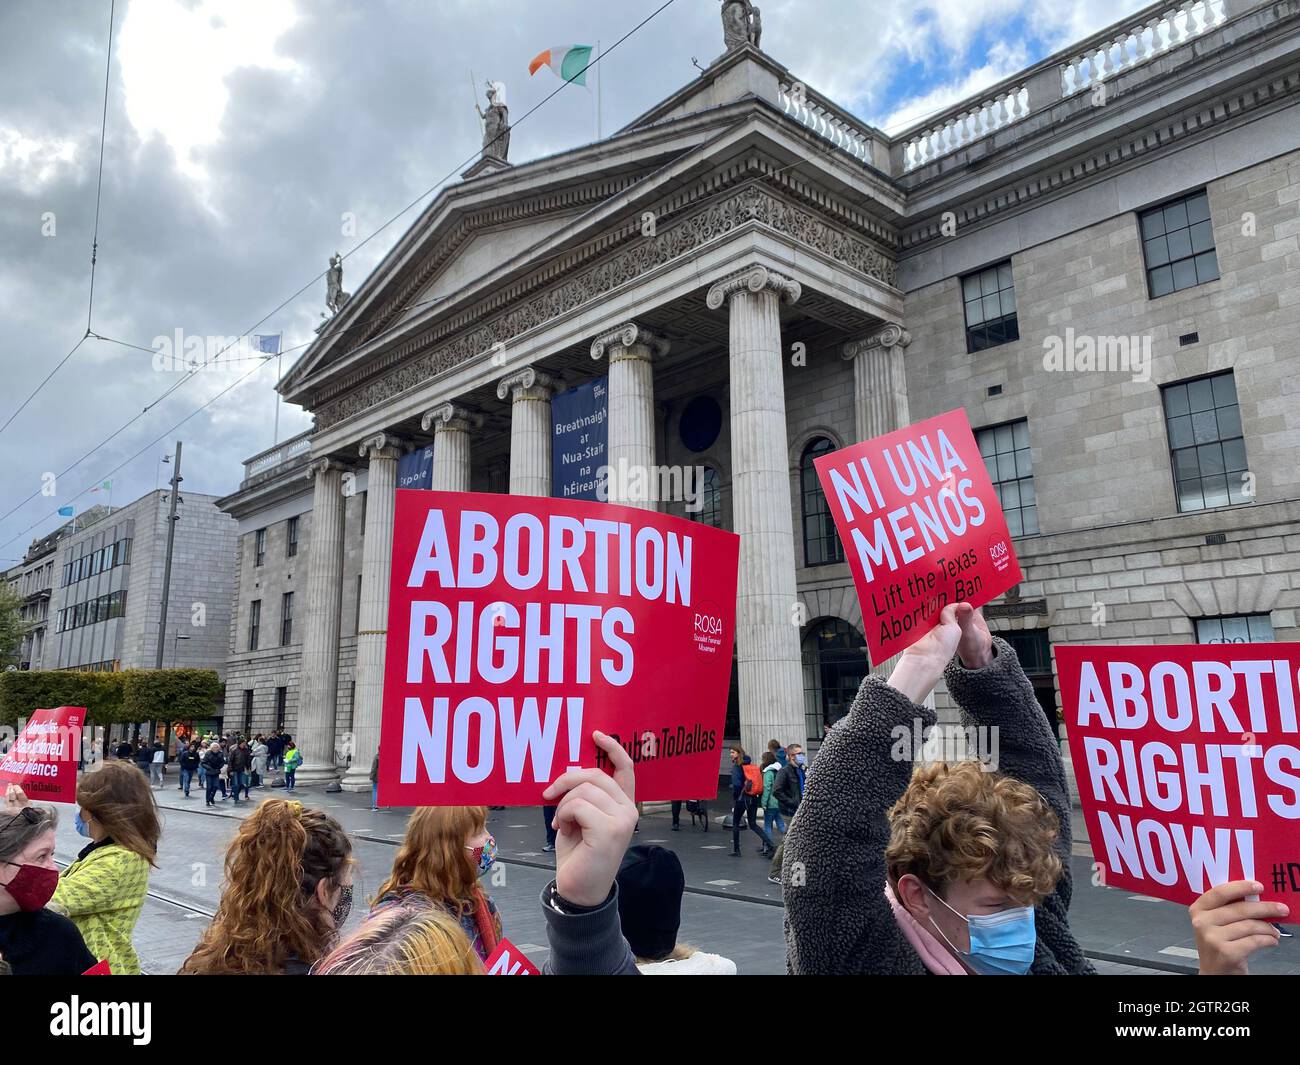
66	512
270	345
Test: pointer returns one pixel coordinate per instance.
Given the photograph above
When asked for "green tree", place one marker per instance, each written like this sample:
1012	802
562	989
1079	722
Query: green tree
12	626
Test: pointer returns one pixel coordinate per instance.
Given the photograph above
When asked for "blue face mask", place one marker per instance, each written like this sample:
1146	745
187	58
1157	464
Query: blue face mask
82	828
1001	944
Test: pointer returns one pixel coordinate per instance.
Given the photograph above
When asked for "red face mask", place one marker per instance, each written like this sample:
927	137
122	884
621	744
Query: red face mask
32	886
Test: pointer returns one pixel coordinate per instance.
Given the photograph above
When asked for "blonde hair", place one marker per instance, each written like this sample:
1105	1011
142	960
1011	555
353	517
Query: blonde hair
960	823
433	858
404	938
119	797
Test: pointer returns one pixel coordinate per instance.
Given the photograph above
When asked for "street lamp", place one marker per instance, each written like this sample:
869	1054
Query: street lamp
176	637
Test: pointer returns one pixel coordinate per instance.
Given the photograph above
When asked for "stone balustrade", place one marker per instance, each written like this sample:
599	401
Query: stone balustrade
966	126
824	119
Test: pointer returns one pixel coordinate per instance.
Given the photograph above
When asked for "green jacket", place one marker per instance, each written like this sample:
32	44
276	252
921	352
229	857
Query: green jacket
293	759
768	801
103	894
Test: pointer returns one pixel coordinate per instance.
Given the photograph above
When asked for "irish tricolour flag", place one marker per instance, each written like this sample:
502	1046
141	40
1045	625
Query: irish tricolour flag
569	61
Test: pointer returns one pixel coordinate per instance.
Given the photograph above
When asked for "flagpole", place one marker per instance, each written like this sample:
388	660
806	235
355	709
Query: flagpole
278	356
600	81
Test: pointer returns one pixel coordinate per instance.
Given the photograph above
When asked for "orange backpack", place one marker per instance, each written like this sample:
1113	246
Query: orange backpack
753	779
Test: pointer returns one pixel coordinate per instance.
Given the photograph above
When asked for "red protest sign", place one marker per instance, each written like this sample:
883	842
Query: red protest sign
43	759
1188	764
509	960
518	624
100	968
921	527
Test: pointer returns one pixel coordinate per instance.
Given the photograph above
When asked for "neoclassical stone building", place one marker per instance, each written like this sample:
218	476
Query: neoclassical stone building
759	277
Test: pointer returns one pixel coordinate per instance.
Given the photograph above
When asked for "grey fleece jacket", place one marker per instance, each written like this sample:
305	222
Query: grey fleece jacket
837	917
589	943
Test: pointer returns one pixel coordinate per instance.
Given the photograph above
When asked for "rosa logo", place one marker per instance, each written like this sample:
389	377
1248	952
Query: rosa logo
708	625
1000	553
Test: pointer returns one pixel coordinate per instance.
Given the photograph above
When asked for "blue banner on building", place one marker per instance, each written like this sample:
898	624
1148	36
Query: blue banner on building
580	433
415	470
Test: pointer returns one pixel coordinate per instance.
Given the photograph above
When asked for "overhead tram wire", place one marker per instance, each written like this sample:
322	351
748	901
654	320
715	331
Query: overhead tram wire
190	374
94	245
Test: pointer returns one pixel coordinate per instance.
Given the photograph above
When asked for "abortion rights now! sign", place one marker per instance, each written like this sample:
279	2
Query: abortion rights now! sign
921	527
1188	764
520	624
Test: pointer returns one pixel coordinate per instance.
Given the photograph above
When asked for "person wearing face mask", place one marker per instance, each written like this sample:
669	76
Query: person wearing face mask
446	850
288	892
103	891
943	869
34	940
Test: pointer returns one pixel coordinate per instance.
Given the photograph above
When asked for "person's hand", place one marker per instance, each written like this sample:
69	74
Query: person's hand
15	798
975	648
921	665
1229	929
594	822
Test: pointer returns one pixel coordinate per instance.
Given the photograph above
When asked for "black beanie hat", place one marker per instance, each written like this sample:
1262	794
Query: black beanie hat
650	886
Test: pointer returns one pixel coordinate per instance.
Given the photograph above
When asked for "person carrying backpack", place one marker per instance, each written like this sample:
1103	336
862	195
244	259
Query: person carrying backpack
292	760
746	787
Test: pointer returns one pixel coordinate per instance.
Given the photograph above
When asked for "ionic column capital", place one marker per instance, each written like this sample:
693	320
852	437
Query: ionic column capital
383	445
887	336
629	335
451	418
317	467
528	383
753	279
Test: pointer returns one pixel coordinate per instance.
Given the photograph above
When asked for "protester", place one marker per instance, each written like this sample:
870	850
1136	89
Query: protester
213	763
650	888
238	764
446	850
274	747
157	763
124	751
1229	929
374	781
189	762
103	891
407	938
34	940
945	869
144	757
259	762
292	760
778	752
746	787
771	810
787	790
288	889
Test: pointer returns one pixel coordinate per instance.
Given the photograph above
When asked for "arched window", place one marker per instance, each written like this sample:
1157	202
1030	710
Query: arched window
834	664
821	544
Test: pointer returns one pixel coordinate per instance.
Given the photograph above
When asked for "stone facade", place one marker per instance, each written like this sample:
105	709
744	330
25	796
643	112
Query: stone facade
749	245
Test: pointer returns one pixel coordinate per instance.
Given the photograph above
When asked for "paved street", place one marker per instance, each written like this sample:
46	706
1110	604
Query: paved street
729	907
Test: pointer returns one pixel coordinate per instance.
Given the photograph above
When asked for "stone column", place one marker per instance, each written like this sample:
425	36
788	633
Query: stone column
530	393
630	455
318	671
451	428
767	635
879	401
382	450
879	381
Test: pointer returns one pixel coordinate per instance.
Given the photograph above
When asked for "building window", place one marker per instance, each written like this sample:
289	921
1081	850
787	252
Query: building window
1240	628
76	570
990	300
710	512
109	551
254	623
259	547
281	698
291	538
286	619
834	664
1178	244
821	543
246	720
124	551
96	560
1206	447
1006	454
67	574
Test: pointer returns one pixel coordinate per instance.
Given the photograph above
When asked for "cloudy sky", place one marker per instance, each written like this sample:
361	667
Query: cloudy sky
244	135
